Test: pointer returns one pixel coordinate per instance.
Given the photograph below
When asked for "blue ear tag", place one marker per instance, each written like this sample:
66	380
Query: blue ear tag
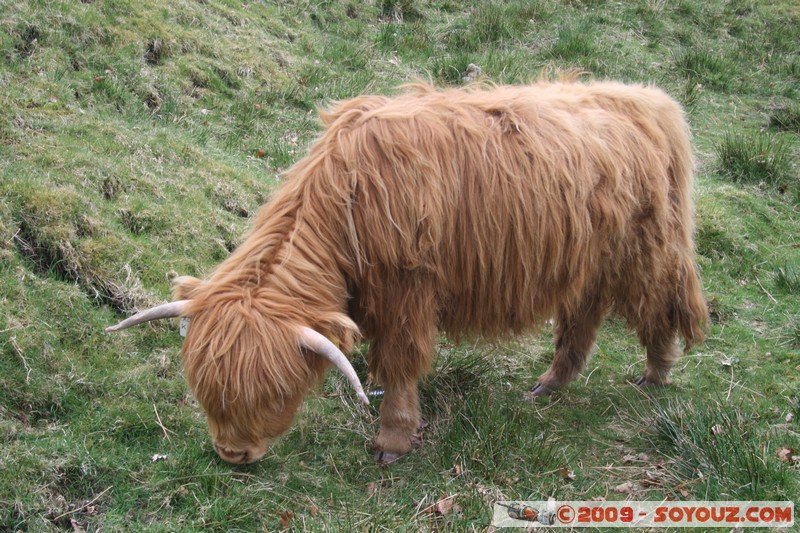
184	329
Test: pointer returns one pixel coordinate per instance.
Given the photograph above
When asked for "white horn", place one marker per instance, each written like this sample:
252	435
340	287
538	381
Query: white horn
316	342
168	310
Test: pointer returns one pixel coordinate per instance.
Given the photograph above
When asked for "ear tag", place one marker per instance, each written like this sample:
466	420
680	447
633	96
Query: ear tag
184	328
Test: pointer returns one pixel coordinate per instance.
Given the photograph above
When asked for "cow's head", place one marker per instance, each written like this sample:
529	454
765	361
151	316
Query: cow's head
248	367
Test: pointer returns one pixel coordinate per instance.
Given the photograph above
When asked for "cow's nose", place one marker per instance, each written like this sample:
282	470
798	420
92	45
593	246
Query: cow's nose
232	456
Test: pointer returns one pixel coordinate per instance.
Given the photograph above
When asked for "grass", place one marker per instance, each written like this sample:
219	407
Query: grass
786	118
722	443
137	141
706	67
787	278
755	158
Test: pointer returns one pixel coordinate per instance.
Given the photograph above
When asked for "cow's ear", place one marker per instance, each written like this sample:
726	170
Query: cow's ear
183	287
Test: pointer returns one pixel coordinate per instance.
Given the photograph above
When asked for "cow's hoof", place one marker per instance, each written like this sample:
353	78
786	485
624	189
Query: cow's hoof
642	382
386	458
540	390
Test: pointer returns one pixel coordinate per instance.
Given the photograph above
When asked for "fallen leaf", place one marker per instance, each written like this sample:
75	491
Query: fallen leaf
626	488
789	417
684	493
443	507
567	474
629	458
286	517
418	437
788	455
313	510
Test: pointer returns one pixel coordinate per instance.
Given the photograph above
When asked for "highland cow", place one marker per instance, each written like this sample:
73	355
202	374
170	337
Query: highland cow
475	212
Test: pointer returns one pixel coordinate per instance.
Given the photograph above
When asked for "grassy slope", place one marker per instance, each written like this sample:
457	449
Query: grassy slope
138	139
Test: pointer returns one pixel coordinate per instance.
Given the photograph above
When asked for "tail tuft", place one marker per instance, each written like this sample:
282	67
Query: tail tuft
691	309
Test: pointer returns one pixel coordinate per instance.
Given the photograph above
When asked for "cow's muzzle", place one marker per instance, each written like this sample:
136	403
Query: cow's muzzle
238	457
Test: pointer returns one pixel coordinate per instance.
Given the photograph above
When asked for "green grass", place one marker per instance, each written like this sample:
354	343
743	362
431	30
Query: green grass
724	444
706	67
137	141
786	118
787	278
755	158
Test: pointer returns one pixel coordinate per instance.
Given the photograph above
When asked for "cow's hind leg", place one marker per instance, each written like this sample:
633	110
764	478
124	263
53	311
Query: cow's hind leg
650	310
575	335
662	352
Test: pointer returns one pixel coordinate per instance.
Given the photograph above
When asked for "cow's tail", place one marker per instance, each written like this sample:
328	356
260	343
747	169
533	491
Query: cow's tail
691	311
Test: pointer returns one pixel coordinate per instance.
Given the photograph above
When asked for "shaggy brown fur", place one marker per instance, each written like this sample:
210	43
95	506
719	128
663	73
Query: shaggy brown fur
476	212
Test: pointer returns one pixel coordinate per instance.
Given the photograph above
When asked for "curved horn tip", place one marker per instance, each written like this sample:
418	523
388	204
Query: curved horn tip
320	344
167	310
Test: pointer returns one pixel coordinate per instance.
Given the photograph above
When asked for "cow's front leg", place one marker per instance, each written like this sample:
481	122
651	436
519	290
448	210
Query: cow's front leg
399	420
401	353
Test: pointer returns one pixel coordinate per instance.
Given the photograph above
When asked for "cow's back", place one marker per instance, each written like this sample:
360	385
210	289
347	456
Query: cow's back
512	199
